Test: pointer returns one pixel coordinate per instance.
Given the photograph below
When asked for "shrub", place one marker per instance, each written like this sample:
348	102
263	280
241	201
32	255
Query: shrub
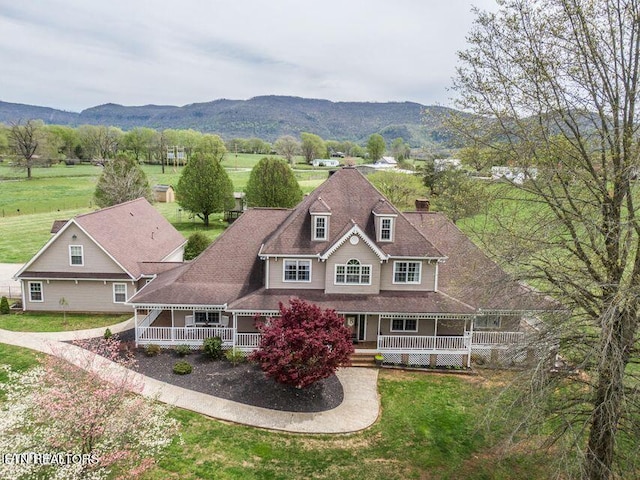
303	345
151	349
235	356
183	350
212	347
4	306
182	368
196	244
107	334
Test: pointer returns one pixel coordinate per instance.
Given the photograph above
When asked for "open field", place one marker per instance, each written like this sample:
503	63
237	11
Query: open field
29	207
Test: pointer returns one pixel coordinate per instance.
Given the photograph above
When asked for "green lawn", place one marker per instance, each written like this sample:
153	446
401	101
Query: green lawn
56	322
428	429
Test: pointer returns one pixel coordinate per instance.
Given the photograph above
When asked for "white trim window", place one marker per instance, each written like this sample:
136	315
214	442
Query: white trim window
76	255
353	273
296	271
320	227
386	229
206	318
404	324
119	292
407	272
36	292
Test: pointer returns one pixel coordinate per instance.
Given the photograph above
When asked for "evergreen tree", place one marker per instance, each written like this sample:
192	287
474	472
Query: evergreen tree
196	244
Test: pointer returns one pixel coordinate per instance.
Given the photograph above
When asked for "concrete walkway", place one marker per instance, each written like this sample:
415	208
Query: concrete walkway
359	409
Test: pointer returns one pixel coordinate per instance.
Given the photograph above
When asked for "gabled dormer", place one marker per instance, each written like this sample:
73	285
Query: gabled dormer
320	214
385	221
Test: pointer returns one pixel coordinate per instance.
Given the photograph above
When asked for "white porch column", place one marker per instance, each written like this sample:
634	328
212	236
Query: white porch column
470	340
135	324
173	335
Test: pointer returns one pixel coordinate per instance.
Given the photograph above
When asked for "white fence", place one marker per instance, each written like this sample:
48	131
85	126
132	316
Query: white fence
405	343
192	336
497	338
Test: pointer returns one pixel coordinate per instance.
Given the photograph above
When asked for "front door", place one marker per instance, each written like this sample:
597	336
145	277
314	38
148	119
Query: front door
357	323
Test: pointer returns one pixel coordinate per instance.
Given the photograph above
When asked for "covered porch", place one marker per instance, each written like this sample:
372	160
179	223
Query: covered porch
429	340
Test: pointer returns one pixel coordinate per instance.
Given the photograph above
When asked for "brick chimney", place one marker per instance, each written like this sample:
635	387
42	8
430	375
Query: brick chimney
422	205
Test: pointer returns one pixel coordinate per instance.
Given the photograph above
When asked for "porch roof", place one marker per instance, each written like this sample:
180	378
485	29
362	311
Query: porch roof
388	302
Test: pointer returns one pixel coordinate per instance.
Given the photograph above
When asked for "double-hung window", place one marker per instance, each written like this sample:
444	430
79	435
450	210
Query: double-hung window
76	257
406	272
297	270
385	229
119	292
320	227
404	325
35	292
353	273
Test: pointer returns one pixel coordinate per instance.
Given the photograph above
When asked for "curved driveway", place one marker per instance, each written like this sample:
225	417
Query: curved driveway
359	409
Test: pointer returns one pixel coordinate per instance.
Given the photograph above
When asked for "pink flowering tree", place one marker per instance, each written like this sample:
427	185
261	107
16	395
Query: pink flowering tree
86	404
303	345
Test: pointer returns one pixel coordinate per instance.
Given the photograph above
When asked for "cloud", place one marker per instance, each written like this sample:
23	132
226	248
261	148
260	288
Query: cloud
74	54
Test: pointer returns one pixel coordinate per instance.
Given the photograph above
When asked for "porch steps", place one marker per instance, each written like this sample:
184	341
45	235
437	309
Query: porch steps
363	358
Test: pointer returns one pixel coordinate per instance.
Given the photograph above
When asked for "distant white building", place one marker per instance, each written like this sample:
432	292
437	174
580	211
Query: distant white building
441	164
391	161
325	162
516	175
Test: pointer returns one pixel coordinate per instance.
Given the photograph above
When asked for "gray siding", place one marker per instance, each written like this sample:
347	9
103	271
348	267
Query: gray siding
361	252
56	257
276	274
83	296
427	280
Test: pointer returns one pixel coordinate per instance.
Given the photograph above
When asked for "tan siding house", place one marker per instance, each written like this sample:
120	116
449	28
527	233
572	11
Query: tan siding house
409	285
96	261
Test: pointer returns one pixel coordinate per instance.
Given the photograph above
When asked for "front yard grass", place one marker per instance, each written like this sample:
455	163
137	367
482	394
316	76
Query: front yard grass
427	430
56	322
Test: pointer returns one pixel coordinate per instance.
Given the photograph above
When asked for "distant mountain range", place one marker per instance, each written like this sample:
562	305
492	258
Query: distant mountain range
265	117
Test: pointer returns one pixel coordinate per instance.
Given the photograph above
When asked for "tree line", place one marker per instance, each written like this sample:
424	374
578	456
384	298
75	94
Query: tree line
32	143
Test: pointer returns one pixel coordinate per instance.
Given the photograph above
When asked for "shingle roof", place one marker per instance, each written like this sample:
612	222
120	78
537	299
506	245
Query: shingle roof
352	200
132	232
228	269
383	302
469	274
57	225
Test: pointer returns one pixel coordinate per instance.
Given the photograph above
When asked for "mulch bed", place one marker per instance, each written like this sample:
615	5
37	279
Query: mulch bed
245	383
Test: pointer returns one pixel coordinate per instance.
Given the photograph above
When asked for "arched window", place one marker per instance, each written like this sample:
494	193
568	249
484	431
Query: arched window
353	273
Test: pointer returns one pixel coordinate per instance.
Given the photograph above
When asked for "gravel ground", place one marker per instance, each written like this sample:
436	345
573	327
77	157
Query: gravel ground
244	383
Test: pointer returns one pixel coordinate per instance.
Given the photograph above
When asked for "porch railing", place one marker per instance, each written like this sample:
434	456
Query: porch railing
421	343
146	322
247	341
184	334
497	338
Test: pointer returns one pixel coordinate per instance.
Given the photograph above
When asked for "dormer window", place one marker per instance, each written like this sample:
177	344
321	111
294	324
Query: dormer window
320	227
385	229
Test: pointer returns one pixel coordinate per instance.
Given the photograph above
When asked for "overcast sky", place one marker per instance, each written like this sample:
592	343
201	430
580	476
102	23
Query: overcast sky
75	54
